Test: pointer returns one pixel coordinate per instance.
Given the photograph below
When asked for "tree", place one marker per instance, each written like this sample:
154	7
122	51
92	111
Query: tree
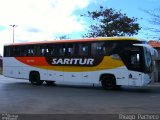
154	20
108	23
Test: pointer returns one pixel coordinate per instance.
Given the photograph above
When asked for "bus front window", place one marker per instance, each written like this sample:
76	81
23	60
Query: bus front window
148	60
135	60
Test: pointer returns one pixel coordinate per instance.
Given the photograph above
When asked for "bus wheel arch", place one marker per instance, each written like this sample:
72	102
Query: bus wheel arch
34	78
108	81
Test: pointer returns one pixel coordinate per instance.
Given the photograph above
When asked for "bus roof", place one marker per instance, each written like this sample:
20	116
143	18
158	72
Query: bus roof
75	40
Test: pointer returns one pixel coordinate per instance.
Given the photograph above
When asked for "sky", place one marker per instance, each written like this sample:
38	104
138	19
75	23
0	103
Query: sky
39	20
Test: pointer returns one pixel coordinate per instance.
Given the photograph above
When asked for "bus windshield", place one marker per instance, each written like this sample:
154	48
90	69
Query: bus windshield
148	60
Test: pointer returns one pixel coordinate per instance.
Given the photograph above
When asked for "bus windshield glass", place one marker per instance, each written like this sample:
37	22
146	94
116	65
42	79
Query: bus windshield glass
148	60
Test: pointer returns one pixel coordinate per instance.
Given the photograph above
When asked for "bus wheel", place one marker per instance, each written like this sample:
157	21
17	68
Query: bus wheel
108	83
50	83
34	78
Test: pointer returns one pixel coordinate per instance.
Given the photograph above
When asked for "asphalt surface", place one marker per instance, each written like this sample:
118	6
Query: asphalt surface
20	97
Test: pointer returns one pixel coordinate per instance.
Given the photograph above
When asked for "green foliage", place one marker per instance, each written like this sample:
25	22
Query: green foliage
108	23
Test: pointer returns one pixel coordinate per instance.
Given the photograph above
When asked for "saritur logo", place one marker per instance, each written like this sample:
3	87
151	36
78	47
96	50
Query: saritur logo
73	61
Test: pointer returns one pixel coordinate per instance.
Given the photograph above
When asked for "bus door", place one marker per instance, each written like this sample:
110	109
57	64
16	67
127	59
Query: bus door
133	58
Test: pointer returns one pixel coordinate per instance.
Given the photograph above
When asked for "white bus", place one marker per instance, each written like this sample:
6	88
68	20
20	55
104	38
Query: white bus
111	61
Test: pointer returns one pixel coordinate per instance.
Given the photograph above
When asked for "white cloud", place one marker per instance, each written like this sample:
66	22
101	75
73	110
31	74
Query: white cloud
40	19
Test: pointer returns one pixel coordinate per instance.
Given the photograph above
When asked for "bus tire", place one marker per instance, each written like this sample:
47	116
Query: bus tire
108	82
50	83
34	78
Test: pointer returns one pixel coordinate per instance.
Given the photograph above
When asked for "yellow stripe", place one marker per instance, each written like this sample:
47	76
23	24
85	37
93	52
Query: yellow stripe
118	38
107	63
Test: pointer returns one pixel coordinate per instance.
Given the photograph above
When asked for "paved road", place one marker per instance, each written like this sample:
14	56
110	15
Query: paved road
19	96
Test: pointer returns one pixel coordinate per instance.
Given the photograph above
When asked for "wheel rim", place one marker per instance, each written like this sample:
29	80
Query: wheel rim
108	83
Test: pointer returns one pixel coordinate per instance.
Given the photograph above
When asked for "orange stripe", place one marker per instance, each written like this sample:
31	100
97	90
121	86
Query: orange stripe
33	61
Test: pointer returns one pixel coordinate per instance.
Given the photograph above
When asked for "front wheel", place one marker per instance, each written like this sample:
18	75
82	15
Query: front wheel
35	79
108	83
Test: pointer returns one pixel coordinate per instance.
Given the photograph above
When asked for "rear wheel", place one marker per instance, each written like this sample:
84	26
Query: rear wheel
108	82
35	78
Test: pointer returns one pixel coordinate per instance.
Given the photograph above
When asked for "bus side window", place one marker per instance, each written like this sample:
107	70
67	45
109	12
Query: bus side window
84	49
53	50
23	51
97	49
7	51
44	50
16	51
109	48
31	51
70	49
61	50
50	50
